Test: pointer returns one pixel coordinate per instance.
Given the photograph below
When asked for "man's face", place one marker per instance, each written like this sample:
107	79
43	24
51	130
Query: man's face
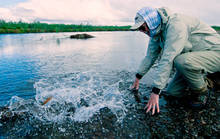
144	28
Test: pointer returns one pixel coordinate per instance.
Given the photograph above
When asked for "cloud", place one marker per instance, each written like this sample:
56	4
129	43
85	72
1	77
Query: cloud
207	11
90	11
104	12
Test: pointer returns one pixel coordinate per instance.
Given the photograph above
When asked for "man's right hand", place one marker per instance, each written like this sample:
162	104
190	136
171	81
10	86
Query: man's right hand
135	84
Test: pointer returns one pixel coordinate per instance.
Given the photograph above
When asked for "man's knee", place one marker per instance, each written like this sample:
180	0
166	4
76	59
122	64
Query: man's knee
184	62
180	62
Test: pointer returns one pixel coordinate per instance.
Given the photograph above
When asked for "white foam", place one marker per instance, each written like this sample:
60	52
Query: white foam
68	92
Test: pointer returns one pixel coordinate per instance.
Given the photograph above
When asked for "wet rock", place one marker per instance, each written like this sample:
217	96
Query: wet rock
71	110
108	118
9	116
2	109
83	102
136	95
202	121
107	113
81	36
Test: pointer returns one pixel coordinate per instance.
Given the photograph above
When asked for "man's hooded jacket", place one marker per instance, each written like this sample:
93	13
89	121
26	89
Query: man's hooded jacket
176	34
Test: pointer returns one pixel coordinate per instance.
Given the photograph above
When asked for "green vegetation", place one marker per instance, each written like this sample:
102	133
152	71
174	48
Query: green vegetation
37	27
216	28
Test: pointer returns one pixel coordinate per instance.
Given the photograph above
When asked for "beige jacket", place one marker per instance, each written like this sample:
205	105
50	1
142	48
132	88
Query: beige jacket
178	34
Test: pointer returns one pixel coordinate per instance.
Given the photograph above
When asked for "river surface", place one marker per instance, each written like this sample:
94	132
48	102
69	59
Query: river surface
48	63
83	77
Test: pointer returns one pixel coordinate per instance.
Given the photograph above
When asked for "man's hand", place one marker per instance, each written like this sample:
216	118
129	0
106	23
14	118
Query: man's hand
152	103
135	84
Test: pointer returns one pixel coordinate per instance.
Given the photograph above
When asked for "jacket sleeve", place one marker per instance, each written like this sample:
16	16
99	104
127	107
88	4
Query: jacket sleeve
175	39
153	51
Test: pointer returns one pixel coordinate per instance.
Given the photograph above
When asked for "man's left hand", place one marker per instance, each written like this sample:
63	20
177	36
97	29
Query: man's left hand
152	103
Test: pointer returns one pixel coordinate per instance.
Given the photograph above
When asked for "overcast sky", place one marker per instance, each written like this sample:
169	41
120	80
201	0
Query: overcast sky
101	12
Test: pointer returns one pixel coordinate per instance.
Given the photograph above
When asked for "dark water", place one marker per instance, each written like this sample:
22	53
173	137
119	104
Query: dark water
82	76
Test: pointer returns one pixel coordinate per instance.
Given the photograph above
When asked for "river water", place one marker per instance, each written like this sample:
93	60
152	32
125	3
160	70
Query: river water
47	63
83	77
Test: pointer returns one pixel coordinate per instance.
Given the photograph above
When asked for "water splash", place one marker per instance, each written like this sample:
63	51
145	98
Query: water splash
78	96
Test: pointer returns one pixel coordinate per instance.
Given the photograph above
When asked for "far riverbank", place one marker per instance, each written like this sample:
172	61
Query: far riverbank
37	27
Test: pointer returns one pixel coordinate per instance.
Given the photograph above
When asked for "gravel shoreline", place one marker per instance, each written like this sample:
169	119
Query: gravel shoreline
171	122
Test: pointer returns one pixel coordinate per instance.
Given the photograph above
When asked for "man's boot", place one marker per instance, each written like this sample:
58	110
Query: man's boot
199	99
214	81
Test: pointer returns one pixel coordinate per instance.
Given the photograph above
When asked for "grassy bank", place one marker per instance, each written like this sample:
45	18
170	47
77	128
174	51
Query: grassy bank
216	28
37	27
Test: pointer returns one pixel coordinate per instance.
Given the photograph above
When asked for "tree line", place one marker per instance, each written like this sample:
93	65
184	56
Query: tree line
37	27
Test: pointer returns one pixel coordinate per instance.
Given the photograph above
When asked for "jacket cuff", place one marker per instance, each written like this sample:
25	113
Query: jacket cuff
138	76
156	90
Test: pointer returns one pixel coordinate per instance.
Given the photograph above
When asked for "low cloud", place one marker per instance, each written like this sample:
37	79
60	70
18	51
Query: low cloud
104	12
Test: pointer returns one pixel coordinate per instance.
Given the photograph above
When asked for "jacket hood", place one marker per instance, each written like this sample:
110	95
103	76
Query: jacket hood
152	18
164	14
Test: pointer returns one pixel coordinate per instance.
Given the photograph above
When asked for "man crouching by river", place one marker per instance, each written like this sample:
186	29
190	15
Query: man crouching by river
183	42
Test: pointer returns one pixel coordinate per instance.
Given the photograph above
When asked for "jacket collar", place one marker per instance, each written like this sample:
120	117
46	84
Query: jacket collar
164	13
